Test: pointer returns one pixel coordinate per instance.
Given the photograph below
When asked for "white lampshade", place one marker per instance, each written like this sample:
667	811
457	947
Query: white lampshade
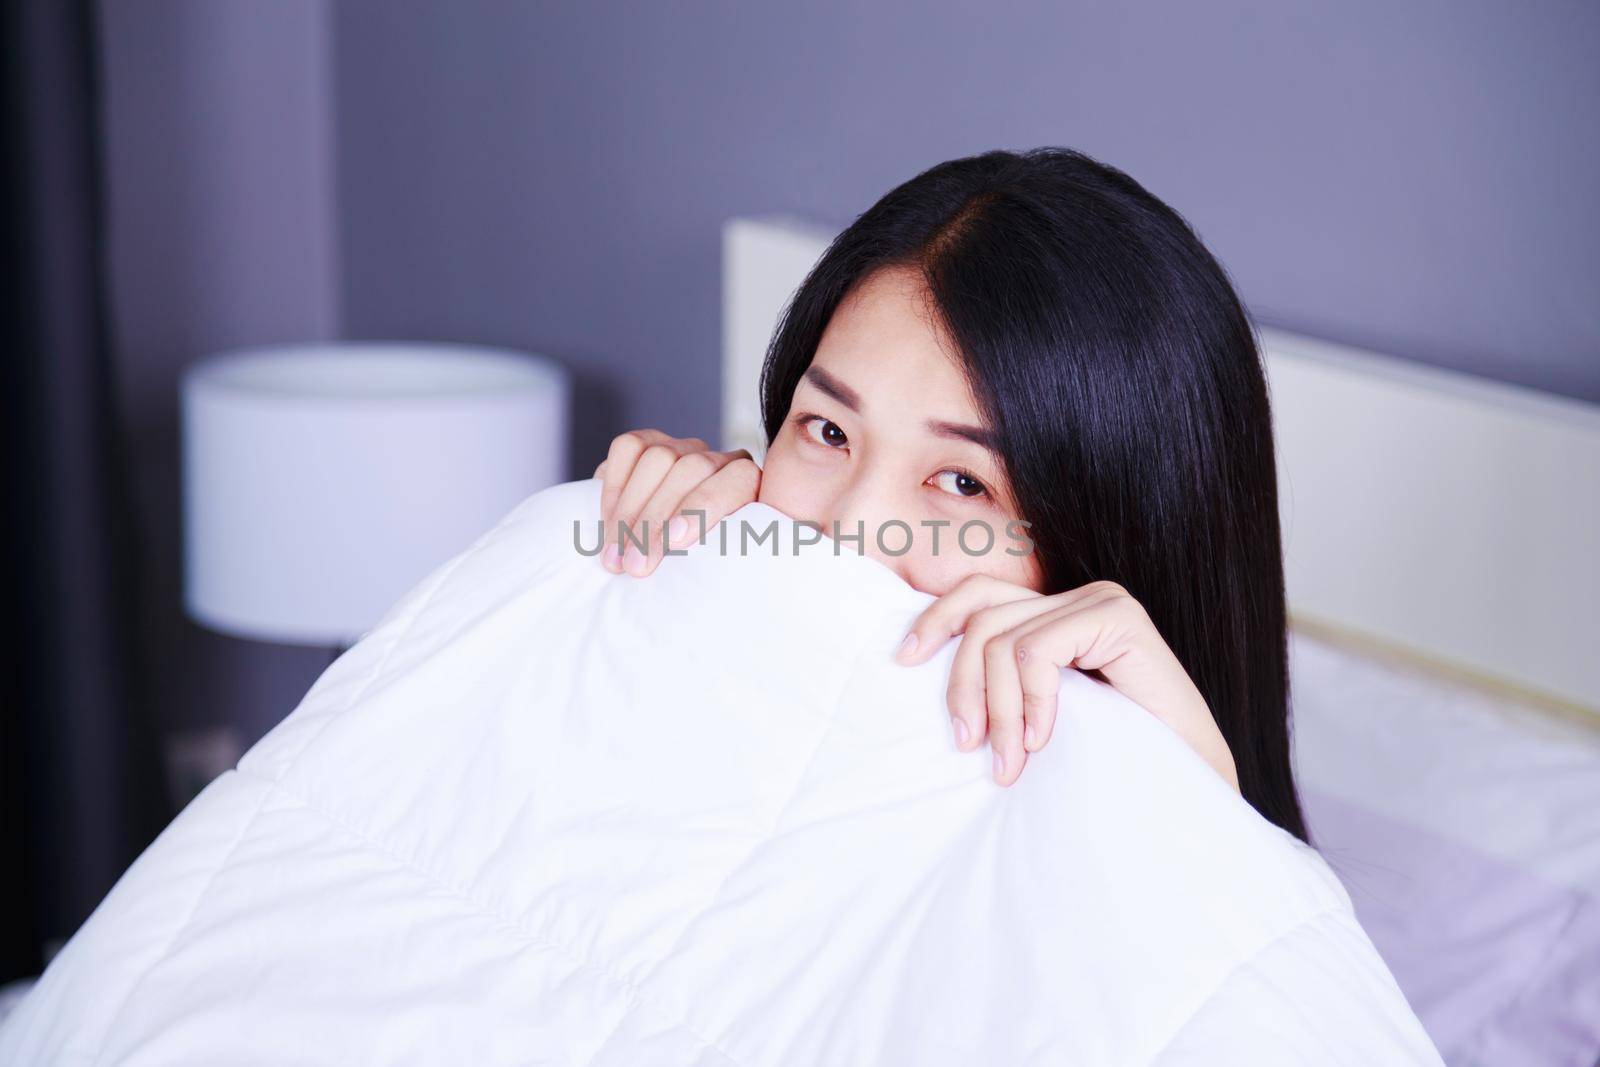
322	481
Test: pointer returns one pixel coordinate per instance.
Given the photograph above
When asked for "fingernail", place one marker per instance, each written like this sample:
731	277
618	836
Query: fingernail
610	559
908	645
1028	736
676	528
963	735
633	561
999	767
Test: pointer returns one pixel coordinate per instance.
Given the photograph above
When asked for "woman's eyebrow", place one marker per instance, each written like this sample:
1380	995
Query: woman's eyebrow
834	388
851	399
976	434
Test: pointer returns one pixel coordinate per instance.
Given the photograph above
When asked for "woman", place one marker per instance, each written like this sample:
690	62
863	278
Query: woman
1026	340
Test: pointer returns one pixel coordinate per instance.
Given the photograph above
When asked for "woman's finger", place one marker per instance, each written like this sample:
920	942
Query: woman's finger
948	615
686	471
728	490
650	469
1043	646
614	472
1023	665
691	470
966	691
1003	606
625	450
1003	689
1081	634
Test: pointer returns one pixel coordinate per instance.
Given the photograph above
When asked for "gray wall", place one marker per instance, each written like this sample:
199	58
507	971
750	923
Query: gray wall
1416	178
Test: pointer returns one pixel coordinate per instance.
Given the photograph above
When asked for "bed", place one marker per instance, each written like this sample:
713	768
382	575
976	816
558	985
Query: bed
1442	550
326	895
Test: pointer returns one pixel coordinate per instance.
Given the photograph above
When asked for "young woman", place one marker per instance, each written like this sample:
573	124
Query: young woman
1026	338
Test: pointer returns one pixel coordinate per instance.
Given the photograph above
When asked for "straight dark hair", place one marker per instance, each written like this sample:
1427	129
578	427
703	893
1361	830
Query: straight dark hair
1115	364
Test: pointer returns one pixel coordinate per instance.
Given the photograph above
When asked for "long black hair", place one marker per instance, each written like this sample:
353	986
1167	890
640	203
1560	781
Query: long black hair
1115	364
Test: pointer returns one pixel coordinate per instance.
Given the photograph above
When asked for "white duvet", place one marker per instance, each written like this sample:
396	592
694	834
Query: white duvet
548	815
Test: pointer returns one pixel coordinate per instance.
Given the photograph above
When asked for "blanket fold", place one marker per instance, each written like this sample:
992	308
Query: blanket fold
546	814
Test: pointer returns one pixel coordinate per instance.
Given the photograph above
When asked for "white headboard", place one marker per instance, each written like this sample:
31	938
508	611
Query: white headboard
1427	514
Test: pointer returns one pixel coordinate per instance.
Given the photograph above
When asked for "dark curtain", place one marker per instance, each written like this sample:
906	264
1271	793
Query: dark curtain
79	769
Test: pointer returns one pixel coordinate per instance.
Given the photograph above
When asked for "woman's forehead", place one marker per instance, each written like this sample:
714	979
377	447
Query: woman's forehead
885	343
891	304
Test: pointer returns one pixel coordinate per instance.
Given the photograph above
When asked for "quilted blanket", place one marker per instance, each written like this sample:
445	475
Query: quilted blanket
544	814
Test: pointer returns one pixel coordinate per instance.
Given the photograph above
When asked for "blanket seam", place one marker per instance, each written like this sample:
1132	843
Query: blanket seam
377	668
776	822
244	828
177	931
1178	1030
635	996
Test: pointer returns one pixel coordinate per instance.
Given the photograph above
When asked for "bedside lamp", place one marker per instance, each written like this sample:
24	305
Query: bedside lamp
322	481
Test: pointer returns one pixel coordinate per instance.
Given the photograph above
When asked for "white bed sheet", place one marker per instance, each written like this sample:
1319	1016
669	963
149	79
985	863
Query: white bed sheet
1466	826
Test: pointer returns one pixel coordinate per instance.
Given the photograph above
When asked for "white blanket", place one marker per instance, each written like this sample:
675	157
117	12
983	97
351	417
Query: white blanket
544	814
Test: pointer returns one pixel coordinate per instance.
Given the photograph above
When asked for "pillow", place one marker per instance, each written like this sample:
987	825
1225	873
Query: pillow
544	813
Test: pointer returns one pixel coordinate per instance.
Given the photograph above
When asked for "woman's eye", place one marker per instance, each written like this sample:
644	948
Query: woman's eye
826	433
959	483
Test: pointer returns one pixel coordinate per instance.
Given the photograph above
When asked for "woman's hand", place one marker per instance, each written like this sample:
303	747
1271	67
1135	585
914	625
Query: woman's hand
649	479
1007	671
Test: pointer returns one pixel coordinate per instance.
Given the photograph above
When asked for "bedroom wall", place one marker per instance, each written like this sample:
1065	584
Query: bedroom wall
221	232
1416	178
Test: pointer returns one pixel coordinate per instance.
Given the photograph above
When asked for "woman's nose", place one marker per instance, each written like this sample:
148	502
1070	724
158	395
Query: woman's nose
873	523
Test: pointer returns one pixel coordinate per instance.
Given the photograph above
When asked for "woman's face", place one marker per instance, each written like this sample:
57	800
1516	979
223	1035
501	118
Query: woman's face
881	428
